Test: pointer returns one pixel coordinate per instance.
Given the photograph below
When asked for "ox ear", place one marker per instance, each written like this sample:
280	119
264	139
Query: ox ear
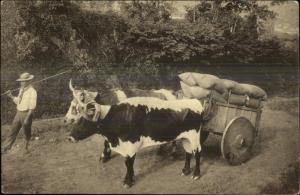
93	95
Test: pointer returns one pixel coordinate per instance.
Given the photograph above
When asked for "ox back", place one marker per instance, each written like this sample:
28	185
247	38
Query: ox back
110	97
143	93
113	97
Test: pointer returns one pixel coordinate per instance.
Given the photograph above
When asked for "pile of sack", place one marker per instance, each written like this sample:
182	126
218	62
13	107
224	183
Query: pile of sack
196	85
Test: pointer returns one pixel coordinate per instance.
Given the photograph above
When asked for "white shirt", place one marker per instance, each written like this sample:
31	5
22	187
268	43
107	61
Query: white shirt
28	101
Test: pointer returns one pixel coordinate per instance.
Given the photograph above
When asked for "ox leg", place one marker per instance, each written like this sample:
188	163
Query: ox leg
196	174
161	149
187	169
105	156
129	178
174	149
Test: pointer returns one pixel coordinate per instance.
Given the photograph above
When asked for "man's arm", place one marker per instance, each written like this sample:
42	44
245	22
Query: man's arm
14	99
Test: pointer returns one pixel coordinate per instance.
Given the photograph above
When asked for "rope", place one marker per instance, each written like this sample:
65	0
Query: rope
40	80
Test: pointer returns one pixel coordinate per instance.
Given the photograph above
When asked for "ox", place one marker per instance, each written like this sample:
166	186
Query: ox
140	122
112	97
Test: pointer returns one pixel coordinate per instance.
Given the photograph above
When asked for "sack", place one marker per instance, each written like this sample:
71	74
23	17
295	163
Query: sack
254	91
253	103
229	84
199	92
206	81
186	90
167	93
239	89
221	87
218	97
243	100
187	78
239	100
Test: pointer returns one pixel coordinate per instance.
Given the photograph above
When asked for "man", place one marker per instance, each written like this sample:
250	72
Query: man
26	103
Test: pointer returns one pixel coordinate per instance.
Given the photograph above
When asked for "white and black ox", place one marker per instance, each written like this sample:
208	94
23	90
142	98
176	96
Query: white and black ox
111	97
140	122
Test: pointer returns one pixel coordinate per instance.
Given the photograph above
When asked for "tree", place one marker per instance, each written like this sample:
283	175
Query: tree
46	30
9	23
146	11
173	42
231	15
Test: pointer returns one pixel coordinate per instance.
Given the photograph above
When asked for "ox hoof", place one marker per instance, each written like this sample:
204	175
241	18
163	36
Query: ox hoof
128	184
195	177
185	172
105	159
174	155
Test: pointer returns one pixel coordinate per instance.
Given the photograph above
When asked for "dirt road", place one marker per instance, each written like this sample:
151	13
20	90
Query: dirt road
57	166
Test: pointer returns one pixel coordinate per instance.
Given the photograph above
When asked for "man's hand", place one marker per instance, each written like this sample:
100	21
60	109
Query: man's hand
9	94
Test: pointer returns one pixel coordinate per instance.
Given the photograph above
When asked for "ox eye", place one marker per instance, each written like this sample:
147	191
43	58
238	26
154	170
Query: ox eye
82	96
80	109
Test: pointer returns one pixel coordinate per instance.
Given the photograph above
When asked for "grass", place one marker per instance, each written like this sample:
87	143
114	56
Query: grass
290	105
289	182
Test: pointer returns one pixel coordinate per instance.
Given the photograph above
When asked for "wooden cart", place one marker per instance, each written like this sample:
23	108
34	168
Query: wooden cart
238	126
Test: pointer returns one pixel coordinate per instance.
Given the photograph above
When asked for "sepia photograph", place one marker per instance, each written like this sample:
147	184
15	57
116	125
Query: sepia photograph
150	97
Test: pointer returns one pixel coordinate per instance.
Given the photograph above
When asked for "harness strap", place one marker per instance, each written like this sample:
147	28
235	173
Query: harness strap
97	113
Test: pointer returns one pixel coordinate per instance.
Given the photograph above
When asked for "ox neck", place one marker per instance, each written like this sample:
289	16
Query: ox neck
104	110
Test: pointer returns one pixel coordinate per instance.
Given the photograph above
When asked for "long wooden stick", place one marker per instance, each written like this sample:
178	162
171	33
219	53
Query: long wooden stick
39	81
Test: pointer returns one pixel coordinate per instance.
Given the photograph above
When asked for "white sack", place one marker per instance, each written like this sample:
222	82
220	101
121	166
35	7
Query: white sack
255	91
186	90
187	78
206	81
229	84
199	92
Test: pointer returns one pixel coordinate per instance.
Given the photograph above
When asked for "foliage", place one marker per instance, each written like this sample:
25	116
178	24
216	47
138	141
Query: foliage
144	33
173	42
46	30
8	30
231	15
101	36
146	11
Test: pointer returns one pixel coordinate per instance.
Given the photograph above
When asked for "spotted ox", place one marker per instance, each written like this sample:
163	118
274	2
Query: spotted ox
112	97
140	122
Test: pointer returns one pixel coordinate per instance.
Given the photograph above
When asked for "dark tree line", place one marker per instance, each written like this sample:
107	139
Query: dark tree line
142	32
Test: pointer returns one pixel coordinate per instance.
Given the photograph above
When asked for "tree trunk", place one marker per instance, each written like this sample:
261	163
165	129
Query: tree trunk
215	9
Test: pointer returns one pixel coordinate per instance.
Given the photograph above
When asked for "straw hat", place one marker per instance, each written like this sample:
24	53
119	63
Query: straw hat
25	77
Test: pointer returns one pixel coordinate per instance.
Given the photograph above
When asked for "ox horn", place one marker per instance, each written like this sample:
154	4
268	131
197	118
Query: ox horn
71	86
75	96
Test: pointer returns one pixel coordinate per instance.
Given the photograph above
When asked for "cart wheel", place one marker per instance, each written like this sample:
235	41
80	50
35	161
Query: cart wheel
237	141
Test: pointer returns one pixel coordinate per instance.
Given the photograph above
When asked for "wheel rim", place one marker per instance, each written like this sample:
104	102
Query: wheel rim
237	141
